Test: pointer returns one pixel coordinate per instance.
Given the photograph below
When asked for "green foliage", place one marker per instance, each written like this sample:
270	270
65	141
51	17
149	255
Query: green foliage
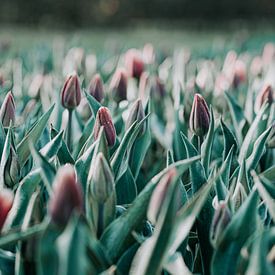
157	199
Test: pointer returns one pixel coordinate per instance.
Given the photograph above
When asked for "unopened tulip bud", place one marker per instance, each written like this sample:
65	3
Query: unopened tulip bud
256	66
134	63
220	220
199	117
7	111
104	119
159	194
158	87
102	185
239	73
118	85
136	114
265	95
71	94
12	170
148	53
6	200
96	88
66	197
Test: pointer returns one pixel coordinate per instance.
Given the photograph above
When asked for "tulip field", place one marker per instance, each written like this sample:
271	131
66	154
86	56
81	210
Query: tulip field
140	160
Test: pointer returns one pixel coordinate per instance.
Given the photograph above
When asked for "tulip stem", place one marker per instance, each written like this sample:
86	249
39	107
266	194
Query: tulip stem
69	131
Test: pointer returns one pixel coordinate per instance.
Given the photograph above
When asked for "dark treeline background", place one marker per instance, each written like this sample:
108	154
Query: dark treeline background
79	13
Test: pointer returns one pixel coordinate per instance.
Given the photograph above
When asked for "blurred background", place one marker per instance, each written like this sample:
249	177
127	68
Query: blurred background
109	24
87	13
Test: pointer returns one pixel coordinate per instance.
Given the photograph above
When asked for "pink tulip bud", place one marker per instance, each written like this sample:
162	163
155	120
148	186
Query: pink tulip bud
265	95
96	88
144	85
159	194
71	94
104	119
6	200
118	85
67	195
134	63
239	73
7	111
199	117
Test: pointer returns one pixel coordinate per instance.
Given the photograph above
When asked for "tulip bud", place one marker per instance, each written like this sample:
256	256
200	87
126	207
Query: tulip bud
66	197
102	180
199	117
6	200
7	111
239	73
265	95
256	66
220	220
104	119
148	53
12	169
158	88
136	114
96	88
71	94
134	63
118	85
158	195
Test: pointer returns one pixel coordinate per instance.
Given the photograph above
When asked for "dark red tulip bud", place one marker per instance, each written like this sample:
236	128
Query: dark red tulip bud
118	85
134	63
96	88
199	117
221	219
136	114
66	197
6	200
7	111
159	194
104	119
71	94
265	95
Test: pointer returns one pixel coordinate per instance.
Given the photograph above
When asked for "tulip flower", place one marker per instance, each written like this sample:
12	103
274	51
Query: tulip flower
134	63
265	95
66	197
70	99
7	111
200	116
103	118
6	200
102	180
118	85
71	94
96	88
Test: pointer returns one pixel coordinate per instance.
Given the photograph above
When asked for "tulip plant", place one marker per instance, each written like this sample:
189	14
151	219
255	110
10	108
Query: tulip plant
143	163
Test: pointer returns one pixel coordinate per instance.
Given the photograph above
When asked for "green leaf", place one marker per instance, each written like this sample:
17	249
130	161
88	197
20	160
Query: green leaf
63	154
116	236
237	115
225	258
71	247
258	151
206	147
32	136
94	104
21	200
51	148
252	133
